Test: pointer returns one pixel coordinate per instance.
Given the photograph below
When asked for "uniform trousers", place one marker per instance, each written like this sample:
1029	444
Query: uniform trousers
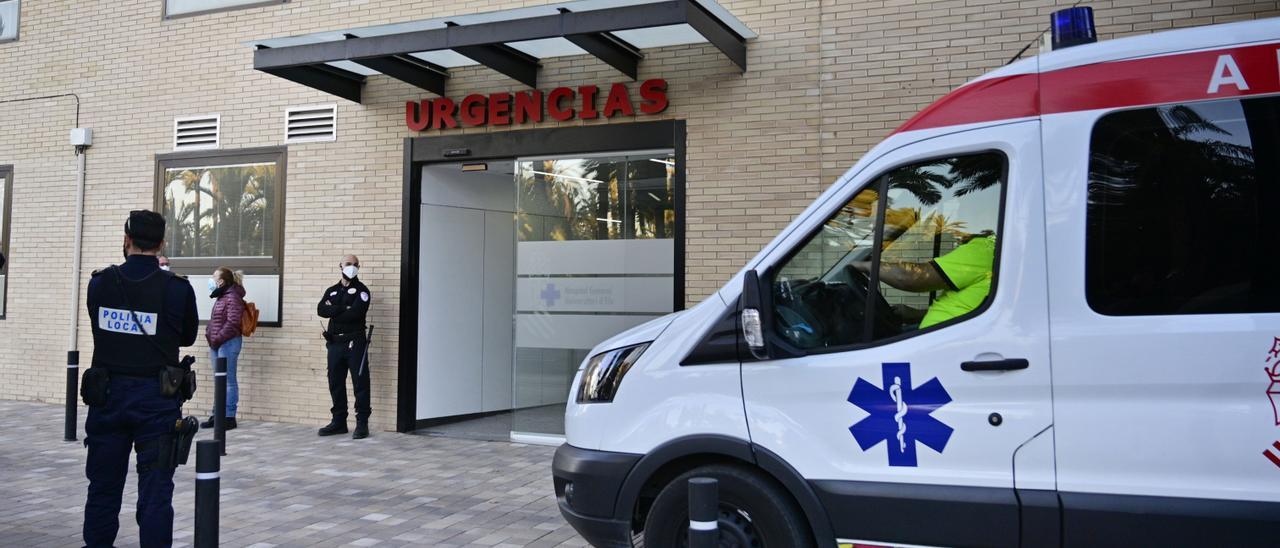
135	415
343	357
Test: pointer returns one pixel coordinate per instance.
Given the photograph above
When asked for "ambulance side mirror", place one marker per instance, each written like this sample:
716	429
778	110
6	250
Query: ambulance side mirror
751	318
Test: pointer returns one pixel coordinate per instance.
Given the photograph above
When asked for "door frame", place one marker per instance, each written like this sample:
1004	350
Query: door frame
420	151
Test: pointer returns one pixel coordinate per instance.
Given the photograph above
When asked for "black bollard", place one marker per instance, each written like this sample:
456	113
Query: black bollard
73	386
220	405
207	482
704	513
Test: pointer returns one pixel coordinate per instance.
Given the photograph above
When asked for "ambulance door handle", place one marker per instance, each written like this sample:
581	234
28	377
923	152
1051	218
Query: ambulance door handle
1010	364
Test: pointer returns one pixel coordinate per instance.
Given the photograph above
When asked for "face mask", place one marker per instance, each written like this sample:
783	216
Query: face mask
350	271
213	286
164	267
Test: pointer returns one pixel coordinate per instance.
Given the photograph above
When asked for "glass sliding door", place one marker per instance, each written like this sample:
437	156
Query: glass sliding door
595	255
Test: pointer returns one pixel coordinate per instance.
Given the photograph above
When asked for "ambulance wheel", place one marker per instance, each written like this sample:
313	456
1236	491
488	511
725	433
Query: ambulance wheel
755	512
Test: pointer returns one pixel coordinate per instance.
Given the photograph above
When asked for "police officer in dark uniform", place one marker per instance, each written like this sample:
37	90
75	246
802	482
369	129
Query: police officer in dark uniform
345	305
140	316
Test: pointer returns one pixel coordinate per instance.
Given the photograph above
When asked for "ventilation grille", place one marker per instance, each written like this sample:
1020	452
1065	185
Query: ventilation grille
311	124
196	132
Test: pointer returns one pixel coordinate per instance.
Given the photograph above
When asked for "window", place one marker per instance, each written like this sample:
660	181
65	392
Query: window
10	11
936	231
597	198
1181	208
181	8
226	208
6	190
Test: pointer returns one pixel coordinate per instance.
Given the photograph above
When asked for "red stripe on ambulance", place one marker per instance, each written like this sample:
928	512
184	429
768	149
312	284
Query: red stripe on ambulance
1213	74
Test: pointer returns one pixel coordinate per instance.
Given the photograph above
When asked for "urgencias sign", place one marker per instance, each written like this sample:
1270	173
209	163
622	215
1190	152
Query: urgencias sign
560	104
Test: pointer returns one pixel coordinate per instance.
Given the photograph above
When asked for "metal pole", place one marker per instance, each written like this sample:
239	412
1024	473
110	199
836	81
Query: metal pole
220	405
73	355
207	482
73	382
704	513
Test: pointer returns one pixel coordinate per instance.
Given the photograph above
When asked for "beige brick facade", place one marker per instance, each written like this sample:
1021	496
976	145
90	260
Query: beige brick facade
826	80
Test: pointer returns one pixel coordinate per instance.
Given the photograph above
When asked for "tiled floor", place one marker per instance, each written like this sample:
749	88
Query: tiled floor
284	486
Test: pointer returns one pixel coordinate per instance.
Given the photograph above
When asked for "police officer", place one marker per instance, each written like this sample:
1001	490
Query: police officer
140	315
345	305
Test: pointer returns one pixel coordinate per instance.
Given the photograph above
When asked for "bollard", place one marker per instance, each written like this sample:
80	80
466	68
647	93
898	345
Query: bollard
704	513
73	399
220	405
207	482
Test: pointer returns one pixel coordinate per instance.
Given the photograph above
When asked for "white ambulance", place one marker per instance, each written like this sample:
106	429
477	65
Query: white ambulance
1044	312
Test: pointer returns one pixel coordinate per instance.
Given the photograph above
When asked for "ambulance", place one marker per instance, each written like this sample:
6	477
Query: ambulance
1043	312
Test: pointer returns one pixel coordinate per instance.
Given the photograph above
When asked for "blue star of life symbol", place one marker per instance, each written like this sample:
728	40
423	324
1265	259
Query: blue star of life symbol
550	294
900	414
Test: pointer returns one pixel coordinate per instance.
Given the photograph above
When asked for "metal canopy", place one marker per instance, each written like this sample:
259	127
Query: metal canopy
510	42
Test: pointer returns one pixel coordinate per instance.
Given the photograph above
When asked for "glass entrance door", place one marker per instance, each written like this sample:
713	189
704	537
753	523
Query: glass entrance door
595	255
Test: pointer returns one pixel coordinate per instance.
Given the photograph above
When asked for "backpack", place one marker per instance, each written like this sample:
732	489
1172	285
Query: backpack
249	320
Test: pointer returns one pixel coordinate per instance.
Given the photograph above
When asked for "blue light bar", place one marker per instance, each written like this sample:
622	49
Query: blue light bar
1072	27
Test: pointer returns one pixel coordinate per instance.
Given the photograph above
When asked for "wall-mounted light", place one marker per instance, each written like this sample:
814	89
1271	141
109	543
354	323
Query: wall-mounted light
475	167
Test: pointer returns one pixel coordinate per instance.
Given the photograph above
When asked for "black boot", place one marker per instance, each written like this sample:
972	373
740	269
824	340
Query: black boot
362	430
334	427
207	424
229	424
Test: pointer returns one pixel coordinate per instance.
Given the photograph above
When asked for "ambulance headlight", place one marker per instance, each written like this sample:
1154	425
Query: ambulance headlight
604	372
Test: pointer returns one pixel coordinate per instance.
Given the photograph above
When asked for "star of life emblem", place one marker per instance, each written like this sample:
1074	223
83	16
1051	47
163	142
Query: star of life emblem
900	414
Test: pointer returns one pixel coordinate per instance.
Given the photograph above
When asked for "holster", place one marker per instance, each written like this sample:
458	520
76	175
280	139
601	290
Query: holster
178	380
95	386
172	448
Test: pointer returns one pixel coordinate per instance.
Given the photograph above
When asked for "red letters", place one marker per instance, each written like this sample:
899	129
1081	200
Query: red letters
561	104
442	109
588	94
472	110
417	116
618	101
528	106
554	99
654	93
500	109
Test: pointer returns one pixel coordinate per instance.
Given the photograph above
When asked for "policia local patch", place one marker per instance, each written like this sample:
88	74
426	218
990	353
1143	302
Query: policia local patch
121	321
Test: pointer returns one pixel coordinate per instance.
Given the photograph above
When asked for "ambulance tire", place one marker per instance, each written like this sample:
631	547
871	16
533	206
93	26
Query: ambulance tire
755	511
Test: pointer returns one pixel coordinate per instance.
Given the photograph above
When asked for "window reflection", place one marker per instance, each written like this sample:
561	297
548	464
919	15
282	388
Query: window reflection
221	211
600	198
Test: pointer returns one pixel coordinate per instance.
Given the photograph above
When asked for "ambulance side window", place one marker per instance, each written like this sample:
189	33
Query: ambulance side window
1181	210
935	225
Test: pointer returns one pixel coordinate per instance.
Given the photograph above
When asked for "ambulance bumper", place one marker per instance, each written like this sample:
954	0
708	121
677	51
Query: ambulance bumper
587	484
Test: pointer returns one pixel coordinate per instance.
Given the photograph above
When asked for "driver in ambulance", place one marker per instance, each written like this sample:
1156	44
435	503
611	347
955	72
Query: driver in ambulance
963	276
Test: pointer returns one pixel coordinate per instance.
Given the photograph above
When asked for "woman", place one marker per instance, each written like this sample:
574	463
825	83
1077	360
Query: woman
223	332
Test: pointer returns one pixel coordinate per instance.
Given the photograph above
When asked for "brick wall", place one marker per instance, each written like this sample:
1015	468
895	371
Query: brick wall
826	81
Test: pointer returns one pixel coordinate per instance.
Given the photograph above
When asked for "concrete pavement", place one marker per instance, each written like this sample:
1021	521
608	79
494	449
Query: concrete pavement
284	486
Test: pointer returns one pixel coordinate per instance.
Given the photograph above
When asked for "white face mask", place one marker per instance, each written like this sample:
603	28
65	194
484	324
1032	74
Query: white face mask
350	271
164	267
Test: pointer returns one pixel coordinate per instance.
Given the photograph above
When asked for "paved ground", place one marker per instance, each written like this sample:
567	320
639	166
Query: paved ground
284	486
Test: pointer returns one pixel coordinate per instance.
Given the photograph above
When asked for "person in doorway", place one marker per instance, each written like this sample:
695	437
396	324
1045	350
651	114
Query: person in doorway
963	276
140	316
223	333
345	304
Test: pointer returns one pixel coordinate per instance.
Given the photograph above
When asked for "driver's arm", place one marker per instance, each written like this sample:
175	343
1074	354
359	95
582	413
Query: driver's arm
908	276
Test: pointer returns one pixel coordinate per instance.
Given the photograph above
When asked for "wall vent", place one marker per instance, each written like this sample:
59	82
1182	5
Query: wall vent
311	124
196	132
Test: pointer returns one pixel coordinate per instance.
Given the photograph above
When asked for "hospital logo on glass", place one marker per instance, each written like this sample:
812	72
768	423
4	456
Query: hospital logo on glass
1273	393
550	295
900	414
